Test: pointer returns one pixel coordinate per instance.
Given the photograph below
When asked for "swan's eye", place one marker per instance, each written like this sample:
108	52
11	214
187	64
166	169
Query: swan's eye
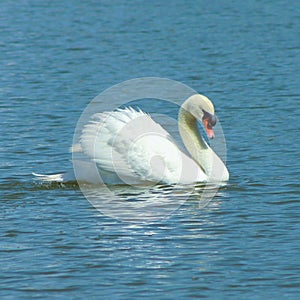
211	119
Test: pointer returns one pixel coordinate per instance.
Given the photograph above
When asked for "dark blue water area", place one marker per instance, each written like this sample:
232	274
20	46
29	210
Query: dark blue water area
56	56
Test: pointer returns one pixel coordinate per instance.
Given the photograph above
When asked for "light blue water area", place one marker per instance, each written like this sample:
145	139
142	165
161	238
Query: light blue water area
56	56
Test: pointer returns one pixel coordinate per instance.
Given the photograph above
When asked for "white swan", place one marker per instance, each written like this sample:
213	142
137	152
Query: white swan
127	146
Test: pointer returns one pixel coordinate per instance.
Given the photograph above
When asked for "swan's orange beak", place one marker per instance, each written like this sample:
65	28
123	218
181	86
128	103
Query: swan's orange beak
209	130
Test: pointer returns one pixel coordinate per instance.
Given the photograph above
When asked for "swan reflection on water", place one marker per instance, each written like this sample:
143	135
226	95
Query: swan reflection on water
146	204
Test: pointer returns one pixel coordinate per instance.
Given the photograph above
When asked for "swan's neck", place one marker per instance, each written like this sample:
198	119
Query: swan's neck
193	141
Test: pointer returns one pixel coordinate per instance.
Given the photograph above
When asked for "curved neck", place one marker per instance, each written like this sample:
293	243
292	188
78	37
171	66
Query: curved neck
192	139
200	151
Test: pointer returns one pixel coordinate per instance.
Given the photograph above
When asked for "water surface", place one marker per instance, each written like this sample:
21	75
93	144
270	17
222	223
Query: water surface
57	56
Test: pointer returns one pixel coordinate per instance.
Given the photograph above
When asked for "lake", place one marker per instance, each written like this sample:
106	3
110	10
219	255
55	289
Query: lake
56	56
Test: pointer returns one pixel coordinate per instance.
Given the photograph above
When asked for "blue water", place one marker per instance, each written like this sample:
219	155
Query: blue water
56	56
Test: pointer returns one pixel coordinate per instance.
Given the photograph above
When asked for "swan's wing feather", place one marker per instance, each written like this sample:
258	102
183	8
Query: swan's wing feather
132	144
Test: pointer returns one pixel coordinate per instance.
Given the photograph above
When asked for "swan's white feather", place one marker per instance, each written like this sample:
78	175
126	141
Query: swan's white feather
132	145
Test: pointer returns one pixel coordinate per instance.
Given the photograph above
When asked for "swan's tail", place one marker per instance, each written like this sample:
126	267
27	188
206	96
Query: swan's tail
49	178
67	176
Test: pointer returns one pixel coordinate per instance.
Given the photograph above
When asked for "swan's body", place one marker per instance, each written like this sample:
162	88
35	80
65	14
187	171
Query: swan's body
128	146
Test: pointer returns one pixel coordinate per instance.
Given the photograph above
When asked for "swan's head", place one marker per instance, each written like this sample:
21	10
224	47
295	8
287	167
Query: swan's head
202	109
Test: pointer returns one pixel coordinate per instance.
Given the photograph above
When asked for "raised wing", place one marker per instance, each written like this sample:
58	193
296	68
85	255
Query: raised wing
132	145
